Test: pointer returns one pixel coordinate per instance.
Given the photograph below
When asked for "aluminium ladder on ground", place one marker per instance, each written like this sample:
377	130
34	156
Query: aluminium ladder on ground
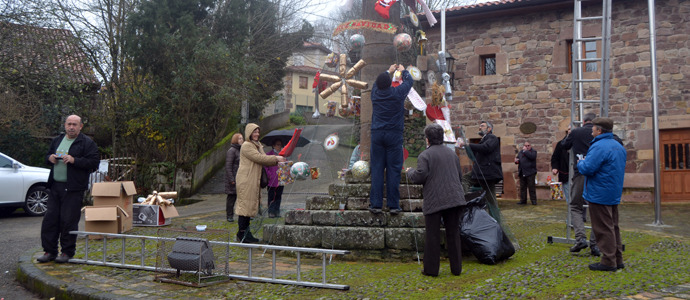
581	87
122	238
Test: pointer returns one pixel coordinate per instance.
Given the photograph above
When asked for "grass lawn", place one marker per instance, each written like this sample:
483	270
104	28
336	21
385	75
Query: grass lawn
538	270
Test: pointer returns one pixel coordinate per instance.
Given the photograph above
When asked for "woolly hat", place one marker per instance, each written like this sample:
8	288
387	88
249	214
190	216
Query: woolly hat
383	81
604	123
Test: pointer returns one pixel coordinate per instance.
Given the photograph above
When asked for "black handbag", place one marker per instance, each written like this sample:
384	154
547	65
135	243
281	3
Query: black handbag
264	178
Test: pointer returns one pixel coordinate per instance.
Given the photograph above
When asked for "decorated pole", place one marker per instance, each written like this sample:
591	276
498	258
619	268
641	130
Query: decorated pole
379	53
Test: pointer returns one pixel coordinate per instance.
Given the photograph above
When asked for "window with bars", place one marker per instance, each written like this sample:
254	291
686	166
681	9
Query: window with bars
487	64
676	156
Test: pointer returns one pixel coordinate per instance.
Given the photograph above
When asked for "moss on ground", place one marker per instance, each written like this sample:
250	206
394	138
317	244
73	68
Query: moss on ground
538	270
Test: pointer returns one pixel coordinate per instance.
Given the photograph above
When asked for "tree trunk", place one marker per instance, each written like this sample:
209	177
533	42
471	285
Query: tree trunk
379	53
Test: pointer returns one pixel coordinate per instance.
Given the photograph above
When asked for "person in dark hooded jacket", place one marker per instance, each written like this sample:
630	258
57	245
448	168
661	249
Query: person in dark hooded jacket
232	163
387	125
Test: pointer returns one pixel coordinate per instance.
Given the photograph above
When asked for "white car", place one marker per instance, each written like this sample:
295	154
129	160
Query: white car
22	186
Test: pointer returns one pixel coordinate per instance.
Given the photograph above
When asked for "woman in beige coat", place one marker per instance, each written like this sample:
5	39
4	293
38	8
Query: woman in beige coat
252	160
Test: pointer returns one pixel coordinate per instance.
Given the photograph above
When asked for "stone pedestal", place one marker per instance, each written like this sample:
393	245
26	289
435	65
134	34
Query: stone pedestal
342	221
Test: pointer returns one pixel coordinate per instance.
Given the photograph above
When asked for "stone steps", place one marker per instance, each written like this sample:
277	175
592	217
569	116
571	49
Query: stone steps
342	221
346	237
356	203
361	218
407	191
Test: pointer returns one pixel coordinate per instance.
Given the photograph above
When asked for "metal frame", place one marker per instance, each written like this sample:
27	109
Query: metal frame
578	98
250	247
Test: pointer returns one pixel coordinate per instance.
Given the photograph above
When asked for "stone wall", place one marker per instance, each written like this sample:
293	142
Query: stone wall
188	182
533	84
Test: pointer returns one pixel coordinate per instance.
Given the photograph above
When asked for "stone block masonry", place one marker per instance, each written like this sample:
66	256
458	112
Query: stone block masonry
343	221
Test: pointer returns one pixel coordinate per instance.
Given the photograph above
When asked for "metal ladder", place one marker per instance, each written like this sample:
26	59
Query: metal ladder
580	99
131	250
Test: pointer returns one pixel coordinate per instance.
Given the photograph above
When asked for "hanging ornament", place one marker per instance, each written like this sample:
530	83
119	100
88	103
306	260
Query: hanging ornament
300	170
402	41
332	60
365	24
331	141
421	40
314	172
415	72
331	109
360	170
383	7
284	177
356	105
344	111
430	77
357	42
414	19
344	80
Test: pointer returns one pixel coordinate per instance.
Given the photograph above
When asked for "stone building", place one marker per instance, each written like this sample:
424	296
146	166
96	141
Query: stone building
529	82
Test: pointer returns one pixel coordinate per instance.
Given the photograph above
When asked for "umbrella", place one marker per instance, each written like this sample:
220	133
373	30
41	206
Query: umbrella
284	136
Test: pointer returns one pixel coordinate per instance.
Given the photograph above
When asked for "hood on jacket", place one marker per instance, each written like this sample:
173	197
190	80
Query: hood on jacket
248	131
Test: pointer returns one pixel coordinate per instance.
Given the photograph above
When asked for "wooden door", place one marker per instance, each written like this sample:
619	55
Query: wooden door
675	166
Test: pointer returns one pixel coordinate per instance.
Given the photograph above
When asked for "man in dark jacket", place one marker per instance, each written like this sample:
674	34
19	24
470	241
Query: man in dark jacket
487	170
559	166
578	143
438	169
73	157
387	125
527	171
604	171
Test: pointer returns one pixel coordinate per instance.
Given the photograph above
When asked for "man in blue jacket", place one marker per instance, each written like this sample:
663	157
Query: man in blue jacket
73	156
387	124
604	171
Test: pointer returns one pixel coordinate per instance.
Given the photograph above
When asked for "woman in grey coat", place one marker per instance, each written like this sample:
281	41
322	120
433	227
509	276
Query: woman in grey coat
232	162
438	169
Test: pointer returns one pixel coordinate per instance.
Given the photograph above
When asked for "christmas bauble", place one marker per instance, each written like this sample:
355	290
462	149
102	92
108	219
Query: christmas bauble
360	170
300	170
332	60
402	41
357	42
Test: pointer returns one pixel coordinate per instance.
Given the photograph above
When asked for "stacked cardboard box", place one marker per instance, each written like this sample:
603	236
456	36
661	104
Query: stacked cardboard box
112	207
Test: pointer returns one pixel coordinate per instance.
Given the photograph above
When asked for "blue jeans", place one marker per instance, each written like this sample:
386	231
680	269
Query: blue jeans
386	154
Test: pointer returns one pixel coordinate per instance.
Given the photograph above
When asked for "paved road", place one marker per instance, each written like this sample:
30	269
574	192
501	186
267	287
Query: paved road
18	233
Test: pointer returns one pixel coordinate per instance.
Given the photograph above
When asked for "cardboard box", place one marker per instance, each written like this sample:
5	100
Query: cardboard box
117	193
108	219
153	215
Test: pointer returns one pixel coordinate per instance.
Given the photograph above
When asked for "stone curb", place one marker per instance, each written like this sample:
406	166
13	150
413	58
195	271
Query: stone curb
47	286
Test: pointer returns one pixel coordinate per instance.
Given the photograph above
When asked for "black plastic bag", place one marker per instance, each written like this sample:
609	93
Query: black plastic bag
481	234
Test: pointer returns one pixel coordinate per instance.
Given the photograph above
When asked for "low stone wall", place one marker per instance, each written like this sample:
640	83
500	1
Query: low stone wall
189	183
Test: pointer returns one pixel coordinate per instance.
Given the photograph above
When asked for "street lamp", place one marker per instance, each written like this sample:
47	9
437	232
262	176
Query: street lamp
445	64
450	64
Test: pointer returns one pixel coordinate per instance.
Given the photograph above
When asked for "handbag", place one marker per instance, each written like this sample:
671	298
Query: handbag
264	178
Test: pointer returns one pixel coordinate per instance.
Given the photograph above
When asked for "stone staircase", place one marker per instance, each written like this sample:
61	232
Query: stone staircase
342	221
